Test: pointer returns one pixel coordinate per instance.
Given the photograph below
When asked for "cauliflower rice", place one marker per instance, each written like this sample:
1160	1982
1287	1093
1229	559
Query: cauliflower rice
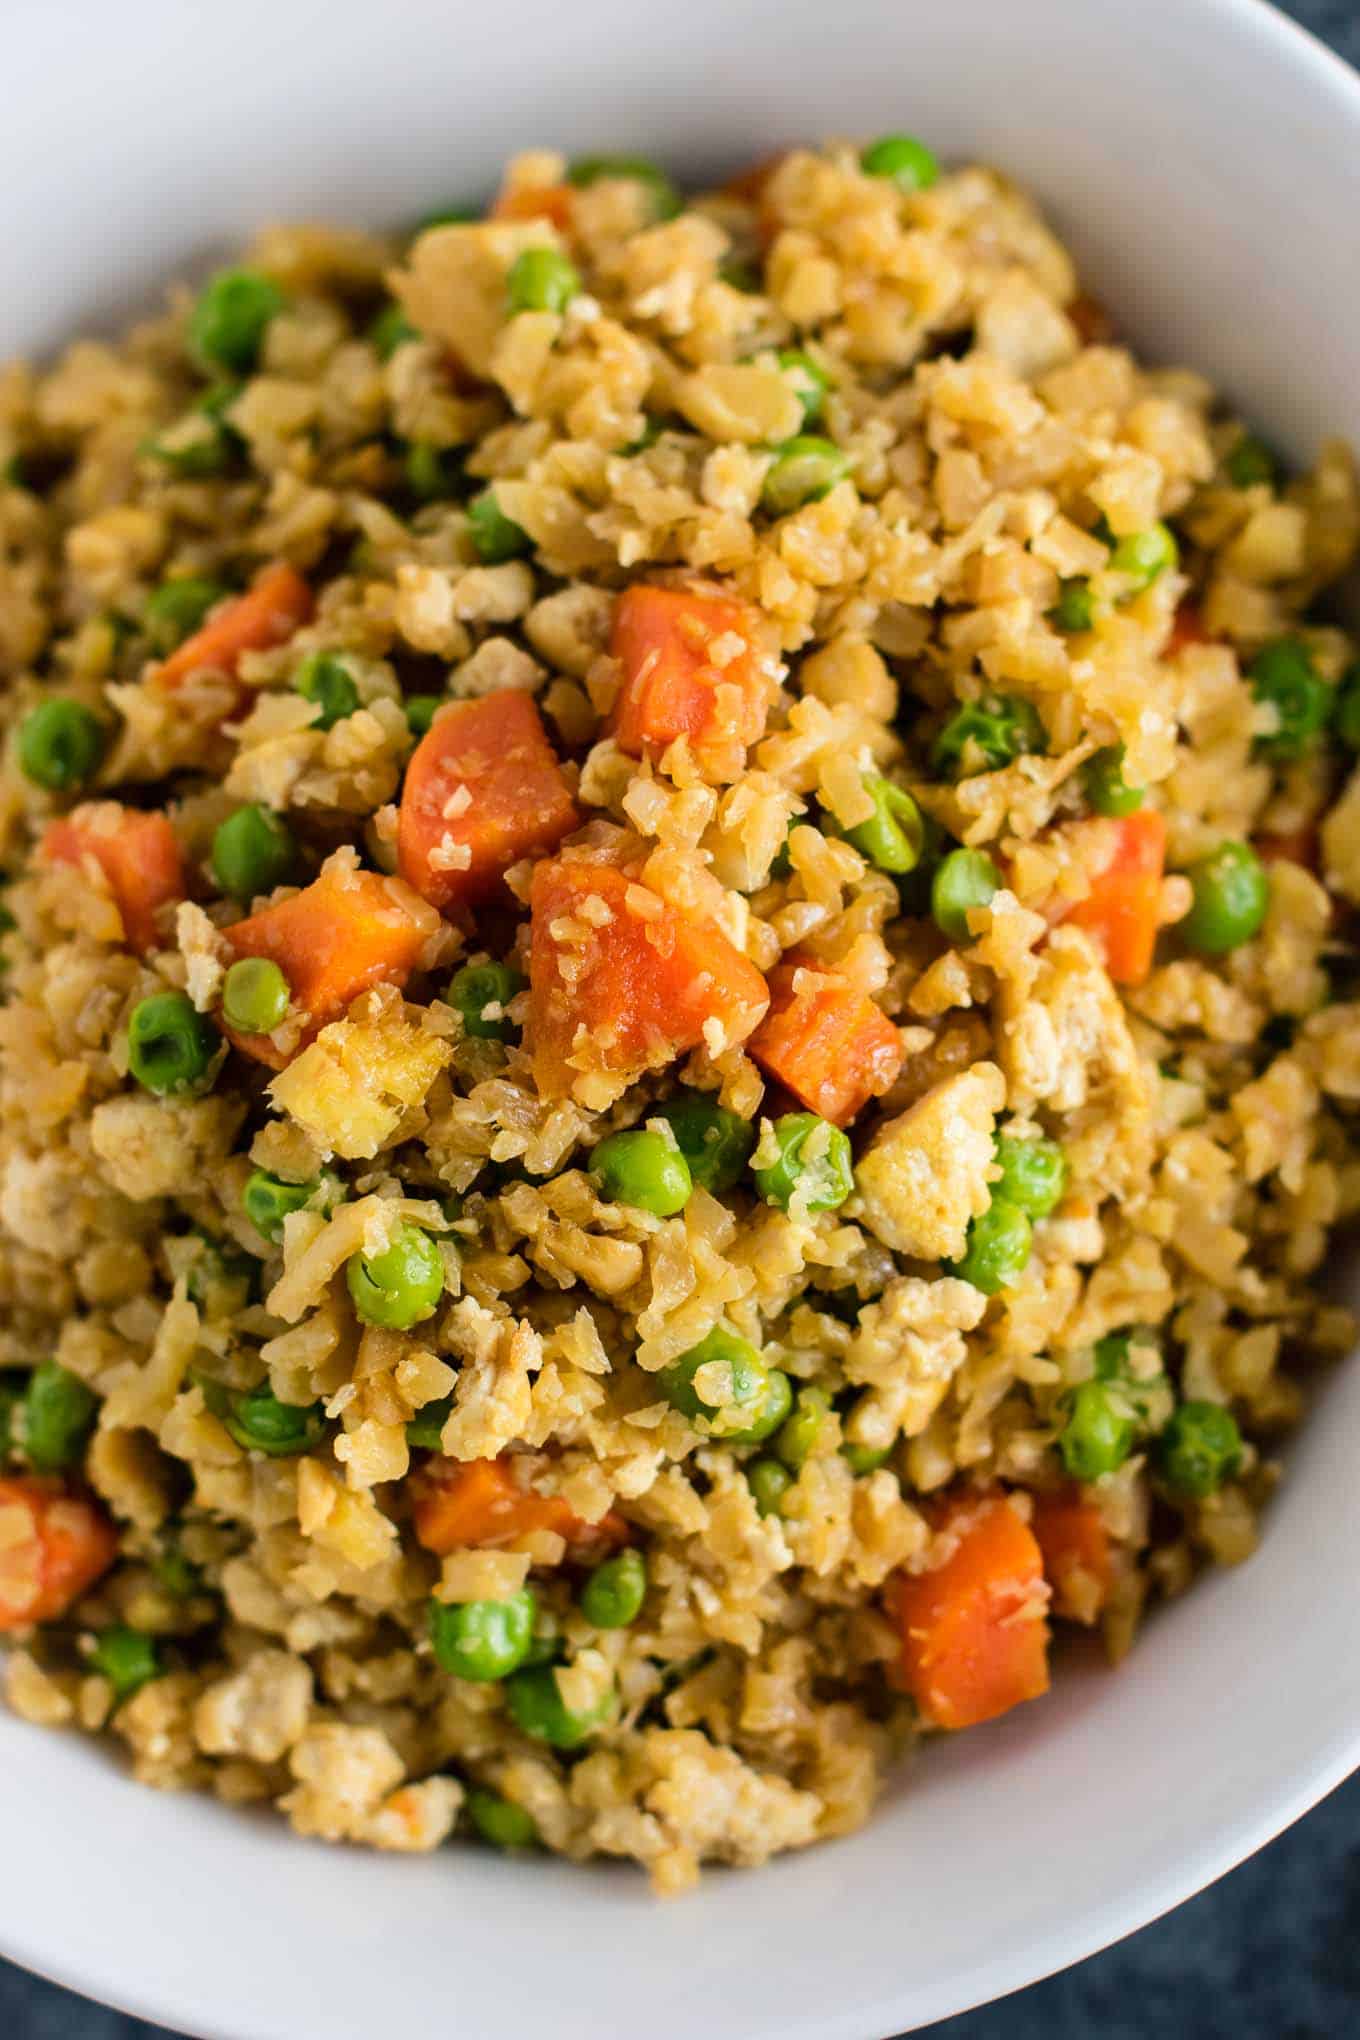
958	545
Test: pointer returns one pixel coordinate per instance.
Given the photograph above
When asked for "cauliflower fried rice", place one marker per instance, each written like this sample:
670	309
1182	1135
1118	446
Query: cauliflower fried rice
676	1042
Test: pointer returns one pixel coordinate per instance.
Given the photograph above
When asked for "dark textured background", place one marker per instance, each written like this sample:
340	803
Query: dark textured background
1270	1953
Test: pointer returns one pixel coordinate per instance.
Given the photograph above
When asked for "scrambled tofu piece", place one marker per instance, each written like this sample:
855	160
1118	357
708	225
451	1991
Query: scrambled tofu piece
926	1174
353	1087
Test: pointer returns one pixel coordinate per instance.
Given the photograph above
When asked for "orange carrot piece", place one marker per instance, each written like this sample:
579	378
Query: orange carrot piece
345	932
1123	906
277	603
1076	1550
975	1630
53	1547
138	855
478	1502
483	789
826	1041
696	664
536	202
622	982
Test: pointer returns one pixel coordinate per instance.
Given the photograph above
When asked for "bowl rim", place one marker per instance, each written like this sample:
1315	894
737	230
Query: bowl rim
1291	1789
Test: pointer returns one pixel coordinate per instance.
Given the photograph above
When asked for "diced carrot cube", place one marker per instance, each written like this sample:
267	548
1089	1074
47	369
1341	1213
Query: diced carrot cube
1123	907
275	605
975	1630
622	982
483	789
826	1041
479	1503
139	857
1076	1550
54	1545
695	664
345	932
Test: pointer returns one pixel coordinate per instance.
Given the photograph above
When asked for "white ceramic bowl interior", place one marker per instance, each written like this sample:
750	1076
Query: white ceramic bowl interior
1202	157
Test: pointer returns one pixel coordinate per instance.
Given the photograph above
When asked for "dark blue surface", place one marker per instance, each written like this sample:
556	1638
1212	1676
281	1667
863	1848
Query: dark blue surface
1270	1953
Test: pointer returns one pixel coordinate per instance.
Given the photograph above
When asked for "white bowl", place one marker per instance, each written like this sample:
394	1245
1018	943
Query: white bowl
1202	156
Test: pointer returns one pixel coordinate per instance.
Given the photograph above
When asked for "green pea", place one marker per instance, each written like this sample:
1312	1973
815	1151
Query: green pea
862	1459
769	1482
799	1432
1200	1448
127	1658
175	610
810	381
1284	678
1230	895
909	164
759	1397
538	1709
258	1422
171	1046
997	1248
1033	1174
541	280
390	330
401	1286
421	710
59	1412
325	679
1346	715
425	1430
812	1164
613	1595
1099	1433
252	852
1075	608
221	1279
716	1143
255	995
499	1821
433	474
267	1200
982	736
201	444
1106	787
495	537
60	744
643	1169
665	199
894	836
1144	555
230	318
481	992
804	470
482	1640
963	881
1251	464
